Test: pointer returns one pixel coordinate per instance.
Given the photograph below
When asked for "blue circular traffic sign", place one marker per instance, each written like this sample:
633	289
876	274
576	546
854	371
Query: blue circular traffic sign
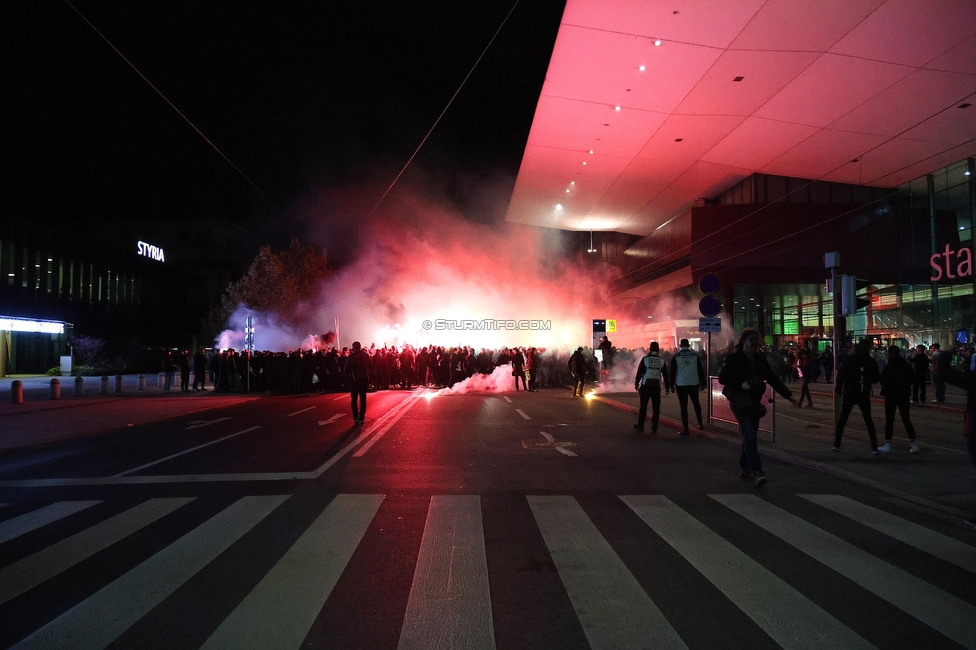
709	283
709	306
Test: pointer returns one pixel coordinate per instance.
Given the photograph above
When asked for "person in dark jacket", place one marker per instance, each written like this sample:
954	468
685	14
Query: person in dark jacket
854	380
199	370
744	375
921	364
652	374
966	380
897	379
577	366
357	378
518	369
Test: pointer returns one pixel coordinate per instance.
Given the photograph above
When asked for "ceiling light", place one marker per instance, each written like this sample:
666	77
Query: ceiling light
567	189
558	207
616	108
591	151
657	42
584	162
572	182
642	68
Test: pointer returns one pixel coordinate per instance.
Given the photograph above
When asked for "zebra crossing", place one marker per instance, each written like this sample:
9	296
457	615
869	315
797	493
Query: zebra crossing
90	573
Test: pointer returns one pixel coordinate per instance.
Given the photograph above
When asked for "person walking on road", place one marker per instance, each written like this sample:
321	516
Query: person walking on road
854	380
941	362
967	381
744	375
920	362
357	378
805	368
652	373
897	379
577	366
687	378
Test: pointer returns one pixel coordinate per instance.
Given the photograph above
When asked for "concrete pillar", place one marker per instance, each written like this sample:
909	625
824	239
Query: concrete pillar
104	387
118	383
142	382
16	392
55	388
79	386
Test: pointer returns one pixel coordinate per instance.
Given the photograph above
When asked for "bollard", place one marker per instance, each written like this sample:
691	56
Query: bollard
104	388
118	383
16	392
55	388
79	386
142	382
161	380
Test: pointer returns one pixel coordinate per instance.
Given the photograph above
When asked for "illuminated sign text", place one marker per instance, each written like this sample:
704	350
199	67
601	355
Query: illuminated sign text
30	325
148	250
943	264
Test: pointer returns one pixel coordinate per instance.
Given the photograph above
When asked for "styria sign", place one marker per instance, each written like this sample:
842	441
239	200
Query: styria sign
148	250
943	264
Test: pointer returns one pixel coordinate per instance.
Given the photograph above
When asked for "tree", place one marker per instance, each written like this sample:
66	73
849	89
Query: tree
277	282
88	349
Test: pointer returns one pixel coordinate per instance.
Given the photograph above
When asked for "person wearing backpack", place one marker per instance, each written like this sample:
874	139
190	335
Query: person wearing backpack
896	387
357	378
854	379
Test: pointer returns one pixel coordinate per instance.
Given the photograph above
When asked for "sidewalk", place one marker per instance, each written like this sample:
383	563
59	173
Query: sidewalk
940	478
40	420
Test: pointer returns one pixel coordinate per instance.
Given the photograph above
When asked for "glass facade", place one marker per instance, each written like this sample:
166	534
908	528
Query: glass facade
935	214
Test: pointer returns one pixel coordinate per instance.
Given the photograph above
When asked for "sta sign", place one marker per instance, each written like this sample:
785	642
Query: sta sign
951	264
148	250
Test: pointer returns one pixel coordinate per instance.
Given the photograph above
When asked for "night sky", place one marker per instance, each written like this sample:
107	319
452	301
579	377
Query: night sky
302	97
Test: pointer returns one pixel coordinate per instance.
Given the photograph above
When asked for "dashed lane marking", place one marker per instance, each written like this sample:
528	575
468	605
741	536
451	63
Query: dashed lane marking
206	423
330	420
302	411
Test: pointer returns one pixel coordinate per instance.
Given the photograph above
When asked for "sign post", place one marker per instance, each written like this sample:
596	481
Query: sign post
249	346
709	306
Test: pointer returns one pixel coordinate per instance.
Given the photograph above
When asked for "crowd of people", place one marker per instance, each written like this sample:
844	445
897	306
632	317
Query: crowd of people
390	367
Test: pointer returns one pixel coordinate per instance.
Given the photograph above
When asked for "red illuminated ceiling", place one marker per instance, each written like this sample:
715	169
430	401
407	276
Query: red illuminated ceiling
855	91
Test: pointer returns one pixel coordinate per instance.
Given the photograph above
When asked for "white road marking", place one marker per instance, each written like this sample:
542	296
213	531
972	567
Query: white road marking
136	593
33	520
302	411
562	450
933	543
185	451
330	420
197	478
449	604
507	398
944	612
522	413
389	420
613	608
339	397
786	615
27	573
281	609
206	423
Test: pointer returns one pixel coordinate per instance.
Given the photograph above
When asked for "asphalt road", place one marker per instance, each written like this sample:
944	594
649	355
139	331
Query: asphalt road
448	521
